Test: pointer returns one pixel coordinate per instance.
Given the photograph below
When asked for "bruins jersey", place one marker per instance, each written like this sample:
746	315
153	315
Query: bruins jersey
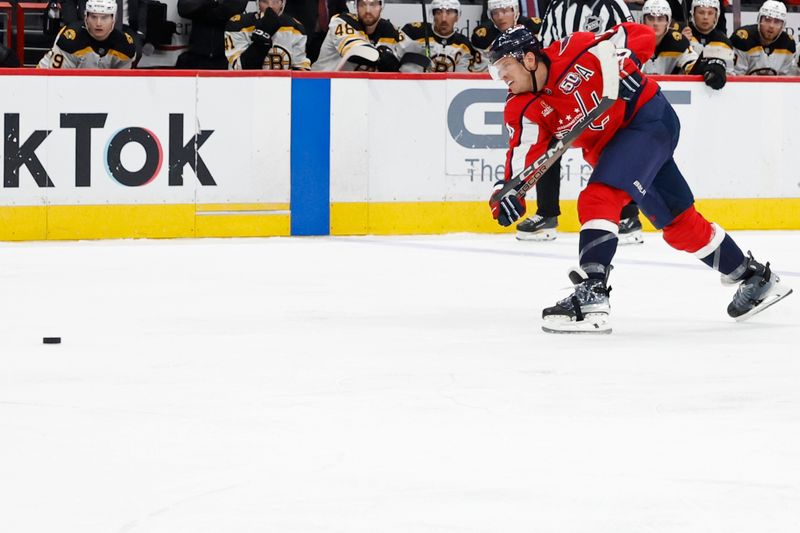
752	58
288	51
345	32
76	48
448	54
485	34
673	55
713	45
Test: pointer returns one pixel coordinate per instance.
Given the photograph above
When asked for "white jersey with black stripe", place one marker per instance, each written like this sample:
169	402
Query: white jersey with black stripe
564	17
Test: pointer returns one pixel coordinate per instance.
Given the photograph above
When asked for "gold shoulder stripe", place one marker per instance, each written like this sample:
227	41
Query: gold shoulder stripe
289	29
119	55
83	51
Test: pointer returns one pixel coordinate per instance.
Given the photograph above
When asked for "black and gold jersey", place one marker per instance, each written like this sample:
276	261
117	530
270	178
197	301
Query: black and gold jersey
485	34
755	58
345	33
713	44
76	48
673	55
447	54
288	50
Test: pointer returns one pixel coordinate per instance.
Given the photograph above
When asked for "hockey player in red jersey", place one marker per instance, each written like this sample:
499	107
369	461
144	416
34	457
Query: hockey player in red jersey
631	148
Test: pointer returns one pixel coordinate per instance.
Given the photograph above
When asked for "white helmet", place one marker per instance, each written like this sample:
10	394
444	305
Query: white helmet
352	5
446	4
714	4
657	8
103	7
772	9
500	4
705	3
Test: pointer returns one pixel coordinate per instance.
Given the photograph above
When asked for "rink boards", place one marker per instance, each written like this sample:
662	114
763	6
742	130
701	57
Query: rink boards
165	154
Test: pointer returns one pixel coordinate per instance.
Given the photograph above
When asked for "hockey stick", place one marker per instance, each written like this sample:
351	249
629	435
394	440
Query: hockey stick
527	178
425	26
524	181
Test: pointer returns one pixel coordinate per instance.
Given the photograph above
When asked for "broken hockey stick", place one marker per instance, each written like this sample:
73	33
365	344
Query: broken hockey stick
524	181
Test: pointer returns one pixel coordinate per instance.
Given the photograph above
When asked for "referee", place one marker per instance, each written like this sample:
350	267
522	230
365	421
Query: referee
562	18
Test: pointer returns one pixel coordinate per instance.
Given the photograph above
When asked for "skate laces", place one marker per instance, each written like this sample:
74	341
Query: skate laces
588	292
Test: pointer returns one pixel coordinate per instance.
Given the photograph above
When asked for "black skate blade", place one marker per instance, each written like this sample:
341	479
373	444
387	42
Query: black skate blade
767	303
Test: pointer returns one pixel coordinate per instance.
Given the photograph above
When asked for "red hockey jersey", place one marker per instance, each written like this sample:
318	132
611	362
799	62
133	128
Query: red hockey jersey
574	87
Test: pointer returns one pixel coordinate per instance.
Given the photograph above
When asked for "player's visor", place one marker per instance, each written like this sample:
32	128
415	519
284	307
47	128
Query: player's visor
500	66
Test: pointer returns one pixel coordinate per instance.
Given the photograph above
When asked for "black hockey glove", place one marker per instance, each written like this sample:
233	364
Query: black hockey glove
713	72
255	54
387	62
261	38
270	22
507	208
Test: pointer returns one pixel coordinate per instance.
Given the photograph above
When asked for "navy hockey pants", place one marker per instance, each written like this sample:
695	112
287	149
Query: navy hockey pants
638	160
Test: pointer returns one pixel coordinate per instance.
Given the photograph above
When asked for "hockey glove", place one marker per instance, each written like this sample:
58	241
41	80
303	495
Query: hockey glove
713	71
261	39
508	208
629	85
270	22
387	61
255	54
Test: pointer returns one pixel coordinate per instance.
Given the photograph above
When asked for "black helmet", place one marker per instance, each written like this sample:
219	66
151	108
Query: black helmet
515	41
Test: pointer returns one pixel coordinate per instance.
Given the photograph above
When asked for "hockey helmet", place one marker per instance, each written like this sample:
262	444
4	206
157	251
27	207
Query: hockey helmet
491	5
446	4
352	5
714	4
657	8
772	9
103	7
514	42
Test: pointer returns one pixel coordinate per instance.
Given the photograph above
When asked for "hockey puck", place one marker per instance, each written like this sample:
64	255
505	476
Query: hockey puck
51	340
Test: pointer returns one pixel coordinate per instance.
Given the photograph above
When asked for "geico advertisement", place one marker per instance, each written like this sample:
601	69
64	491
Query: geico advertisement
735	143
477	140
104	140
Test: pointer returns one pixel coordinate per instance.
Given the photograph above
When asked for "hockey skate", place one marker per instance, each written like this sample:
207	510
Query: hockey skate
759	288
537	228
630	231
586	310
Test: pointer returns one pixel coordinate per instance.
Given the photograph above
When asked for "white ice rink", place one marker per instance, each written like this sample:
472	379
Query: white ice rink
389	385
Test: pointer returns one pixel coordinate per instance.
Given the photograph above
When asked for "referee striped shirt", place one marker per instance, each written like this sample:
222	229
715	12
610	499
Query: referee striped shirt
564	17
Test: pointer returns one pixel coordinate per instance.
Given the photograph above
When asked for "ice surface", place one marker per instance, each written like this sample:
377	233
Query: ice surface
389	385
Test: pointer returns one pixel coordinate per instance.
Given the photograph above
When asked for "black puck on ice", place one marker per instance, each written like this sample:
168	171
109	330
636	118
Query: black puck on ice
51	340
